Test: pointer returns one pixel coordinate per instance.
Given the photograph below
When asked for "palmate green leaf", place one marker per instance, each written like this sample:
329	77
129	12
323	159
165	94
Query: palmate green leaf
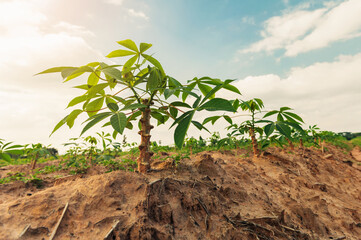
295	125
15	151
5	157
129	125
228	119
95	119
14	146
96	89
282	109
211	119
199	126
72	116
160	117
181	117
93	78
232	88
173	112
112	72
205	89
179	104
269	128
154	62
109	99
57	69
270	113
280	118
217	104
61	123
83	86
113	107
118	122
93	64
128	64
93	107
168	92
294	116
100	115
144	47
77	100
68	75
283	129
153	80
181	130
211	93
129	44
188	90
196	102
120	53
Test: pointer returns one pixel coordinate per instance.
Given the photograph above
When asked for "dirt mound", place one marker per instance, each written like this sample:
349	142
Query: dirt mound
303	194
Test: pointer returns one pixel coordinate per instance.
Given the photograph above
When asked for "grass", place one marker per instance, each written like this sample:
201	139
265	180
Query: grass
120	160
356	141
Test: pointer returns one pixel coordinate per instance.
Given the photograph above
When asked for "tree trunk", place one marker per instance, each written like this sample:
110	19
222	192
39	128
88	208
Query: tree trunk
145	155
290	143
254	142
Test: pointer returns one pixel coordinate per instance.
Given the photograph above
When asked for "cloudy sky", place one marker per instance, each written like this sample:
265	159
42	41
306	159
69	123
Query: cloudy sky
305	54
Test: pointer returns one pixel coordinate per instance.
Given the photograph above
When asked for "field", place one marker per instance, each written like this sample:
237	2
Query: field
201	192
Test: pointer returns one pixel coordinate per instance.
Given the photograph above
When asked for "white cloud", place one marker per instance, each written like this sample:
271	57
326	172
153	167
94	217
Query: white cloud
138	14
302	30
115	2
325	93
342	22
30	106
72	29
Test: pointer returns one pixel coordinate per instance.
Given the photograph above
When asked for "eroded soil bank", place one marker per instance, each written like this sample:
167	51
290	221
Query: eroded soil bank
304	194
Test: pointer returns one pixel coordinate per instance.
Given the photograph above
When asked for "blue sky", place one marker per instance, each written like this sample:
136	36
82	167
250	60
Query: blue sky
305	54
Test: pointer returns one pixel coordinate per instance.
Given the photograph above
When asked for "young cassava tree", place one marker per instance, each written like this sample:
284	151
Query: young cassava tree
140	90
285	123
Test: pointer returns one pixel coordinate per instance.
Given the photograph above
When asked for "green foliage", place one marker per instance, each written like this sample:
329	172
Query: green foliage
7	149
19	176
356	141
285	123
124	164
144	85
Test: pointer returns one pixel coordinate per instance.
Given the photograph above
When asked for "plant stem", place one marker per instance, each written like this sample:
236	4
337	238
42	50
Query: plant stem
290	143
144	153
254	142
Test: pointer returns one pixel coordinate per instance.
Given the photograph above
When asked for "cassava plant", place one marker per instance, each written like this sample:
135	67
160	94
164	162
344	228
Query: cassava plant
285	123
251	127
139	90
7	149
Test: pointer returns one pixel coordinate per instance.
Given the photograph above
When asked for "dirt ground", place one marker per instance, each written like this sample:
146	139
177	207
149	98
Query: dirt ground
301	194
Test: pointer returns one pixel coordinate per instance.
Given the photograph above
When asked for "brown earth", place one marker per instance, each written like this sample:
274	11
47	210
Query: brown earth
303	194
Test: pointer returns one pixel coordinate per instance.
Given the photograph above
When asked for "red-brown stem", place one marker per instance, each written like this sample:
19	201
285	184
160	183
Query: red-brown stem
144	152
290	143
254	142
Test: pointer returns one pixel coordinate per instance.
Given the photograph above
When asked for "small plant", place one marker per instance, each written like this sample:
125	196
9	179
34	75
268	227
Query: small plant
6	150
285	123
178	157
251	127
145	92
35	152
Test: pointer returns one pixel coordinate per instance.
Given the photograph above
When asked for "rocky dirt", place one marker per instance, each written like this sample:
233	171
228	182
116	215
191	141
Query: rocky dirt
301	194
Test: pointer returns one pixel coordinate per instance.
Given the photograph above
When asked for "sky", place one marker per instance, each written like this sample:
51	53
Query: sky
304	54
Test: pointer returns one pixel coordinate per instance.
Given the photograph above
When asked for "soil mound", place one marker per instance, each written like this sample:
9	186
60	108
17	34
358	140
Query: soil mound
304	194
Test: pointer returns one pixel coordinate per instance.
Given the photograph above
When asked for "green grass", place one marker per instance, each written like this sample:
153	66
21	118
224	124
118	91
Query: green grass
356	141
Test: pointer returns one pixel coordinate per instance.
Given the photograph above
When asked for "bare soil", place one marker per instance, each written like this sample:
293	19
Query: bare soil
301	194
